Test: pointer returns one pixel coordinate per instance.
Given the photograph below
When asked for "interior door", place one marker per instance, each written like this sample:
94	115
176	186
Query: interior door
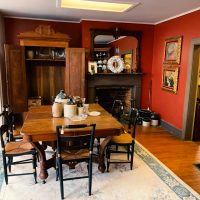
75	72
196	127
16	78
196	132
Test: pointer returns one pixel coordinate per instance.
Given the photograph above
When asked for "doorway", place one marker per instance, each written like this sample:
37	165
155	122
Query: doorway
196	127
191	90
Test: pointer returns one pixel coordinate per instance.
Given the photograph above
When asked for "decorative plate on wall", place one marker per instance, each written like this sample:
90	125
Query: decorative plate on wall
115	64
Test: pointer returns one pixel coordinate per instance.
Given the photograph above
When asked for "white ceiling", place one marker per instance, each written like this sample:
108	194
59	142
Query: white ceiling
148	11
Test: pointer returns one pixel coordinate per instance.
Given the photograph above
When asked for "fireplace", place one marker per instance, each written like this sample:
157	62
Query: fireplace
105	88
105	95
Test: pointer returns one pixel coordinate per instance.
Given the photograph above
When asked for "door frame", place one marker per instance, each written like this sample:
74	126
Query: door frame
191	90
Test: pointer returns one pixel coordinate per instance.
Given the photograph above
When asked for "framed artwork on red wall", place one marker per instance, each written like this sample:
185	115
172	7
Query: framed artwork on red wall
173	50
170	78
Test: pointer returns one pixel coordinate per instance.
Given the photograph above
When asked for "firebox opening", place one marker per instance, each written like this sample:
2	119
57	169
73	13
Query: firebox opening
107	94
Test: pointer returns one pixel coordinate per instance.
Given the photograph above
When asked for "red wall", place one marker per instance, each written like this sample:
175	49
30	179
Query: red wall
146	48
81	32
169	105
14	26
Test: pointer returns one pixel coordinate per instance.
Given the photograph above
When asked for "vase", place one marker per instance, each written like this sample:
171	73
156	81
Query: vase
30	54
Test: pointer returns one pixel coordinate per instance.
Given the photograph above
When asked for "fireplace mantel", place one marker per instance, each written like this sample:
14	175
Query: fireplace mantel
117	80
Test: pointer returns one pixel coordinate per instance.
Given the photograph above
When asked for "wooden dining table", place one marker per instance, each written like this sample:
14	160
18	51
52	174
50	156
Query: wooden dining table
40	126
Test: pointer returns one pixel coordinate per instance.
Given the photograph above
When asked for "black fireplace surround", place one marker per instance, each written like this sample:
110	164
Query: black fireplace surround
111	80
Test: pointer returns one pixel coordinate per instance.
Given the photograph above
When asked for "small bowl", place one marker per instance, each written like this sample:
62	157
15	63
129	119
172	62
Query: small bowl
99	62
104	61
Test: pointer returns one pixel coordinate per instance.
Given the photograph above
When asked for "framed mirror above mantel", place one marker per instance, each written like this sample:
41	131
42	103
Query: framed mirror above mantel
106	43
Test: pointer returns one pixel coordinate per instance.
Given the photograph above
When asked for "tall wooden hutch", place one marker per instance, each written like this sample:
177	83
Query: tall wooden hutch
42	65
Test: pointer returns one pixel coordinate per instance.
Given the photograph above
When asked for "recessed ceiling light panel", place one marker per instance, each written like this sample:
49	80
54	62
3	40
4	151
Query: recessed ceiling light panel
95	5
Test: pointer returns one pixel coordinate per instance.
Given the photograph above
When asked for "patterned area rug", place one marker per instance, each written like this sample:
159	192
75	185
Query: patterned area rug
149	180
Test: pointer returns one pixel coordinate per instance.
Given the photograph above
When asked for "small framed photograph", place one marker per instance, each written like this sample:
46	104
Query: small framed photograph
92	67
173	50
170	78
127	56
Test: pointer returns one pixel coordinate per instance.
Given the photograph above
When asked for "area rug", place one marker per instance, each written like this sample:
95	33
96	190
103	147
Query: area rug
149	180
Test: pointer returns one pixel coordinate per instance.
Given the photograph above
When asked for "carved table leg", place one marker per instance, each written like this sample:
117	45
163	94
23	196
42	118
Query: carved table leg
43	168
46	164
101	158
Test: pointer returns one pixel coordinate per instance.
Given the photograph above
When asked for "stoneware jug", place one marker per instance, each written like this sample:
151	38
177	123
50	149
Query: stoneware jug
62	98
57	109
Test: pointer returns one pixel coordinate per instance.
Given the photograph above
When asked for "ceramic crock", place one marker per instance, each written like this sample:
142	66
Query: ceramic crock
57	109
70	110
155	119
146	122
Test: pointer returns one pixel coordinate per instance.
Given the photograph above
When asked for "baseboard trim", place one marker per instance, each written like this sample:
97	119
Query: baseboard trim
173	130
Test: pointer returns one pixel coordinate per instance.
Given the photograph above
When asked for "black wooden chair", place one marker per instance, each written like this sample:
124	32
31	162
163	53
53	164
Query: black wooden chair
13	149
9	119
117	109
74	145
123	143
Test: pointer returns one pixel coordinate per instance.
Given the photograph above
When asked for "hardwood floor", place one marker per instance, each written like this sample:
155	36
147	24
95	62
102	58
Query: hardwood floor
179	156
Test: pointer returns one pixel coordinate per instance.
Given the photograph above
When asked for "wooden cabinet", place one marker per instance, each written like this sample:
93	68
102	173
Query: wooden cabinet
16	78
42	65
75	73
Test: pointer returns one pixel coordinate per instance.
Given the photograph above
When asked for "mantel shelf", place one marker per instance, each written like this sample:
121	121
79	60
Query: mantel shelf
114	74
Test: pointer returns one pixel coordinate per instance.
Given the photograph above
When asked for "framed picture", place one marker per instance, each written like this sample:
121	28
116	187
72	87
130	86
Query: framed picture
173	50
170	78
127	56
92	67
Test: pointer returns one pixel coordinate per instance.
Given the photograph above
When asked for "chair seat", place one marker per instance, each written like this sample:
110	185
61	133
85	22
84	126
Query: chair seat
18	147
124	138
74	145
75	154
16	133
125	142
12	148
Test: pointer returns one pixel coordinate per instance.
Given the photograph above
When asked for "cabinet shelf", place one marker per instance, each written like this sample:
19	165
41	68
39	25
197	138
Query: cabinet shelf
45	60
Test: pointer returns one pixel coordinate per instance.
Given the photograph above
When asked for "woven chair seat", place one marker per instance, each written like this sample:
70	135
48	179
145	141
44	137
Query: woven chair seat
124	138
18	147
74	155
16	133
78	148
